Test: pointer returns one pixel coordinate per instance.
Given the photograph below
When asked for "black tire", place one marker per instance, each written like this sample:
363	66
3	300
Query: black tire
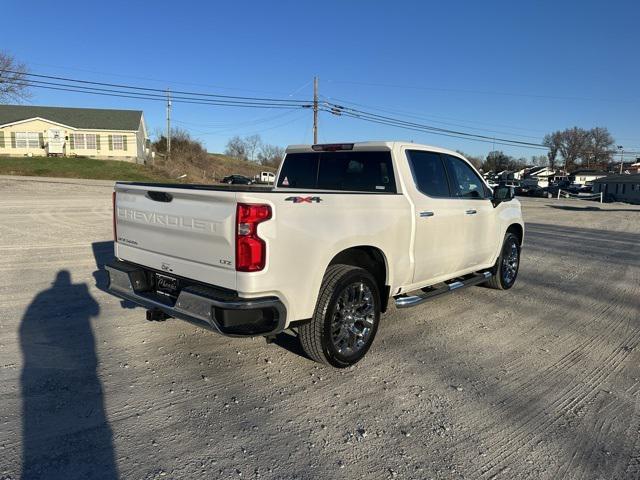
504	275
317	336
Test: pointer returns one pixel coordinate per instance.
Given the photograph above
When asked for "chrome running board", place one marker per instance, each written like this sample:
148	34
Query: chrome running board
428	293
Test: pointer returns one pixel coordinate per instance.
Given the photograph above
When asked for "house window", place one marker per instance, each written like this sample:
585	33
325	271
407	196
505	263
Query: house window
27	140
83	141
90	141
118	142
78	141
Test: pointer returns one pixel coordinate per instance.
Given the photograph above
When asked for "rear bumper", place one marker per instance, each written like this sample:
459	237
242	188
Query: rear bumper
214	308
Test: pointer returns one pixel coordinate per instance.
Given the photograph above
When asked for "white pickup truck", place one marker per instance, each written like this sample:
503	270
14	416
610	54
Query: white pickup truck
346	228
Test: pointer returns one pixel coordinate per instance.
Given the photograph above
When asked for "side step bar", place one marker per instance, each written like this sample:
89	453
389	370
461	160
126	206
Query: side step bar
430	292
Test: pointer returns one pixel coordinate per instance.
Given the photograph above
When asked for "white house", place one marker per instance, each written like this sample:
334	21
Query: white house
542	177
587	177
27	130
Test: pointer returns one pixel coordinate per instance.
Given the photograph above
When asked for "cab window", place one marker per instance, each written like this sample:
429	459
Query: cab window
429	173
344	171
465	182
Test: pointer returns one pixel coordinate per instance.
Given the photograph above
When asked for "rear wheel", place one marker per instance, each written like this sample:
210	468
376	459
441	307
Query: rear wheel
346	317
506	268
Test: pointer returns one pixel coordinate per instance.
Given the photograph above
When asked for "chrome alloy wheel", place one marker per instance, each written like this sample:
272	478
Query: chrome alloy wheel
353	319
510	263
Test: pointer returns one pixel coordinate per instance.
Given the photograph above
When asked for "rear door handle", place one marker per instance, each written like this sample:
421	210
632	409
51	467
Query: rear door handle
426	214
471	212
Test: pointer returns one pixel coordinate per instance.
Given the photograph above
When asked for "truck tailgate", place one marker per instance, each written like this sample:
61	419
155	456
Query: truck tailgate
185	232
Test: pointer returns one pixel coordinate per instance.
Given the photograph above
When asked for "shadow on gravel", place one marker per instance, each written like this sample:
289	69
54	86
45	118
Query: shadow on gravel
64	426
291	343
592	209
103	254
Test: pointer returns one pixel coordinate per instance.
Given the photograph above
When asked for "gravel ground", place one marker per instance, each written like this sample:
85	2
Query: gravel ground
542	381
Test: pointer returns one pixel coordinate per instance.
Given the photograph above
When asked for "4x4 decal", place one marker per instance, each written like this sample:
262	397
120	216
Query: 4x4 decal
303	199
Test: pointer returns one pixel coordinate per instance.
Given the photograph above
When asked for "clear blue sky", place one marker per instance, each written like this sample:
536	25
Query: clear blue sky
511	69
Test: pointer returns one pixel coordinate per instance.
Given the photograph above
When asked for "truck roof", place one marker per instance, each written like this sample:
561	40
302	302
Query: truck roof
377	145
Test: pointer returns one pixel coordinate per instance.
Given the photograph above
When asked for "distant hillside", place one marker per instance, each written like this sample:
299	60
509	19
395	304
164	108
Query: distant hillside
210	169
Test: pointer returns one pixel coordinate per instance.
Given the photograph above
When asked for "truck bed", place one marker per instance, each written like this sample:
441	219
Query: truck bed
223	187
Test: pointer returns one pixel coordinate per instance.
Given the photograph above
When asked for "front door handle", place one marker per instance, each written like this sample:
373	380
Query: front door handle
426	214
471	212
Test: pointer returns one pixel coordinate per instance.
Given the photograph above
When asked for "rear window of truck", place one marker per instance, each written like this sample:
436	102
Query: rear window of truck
350	171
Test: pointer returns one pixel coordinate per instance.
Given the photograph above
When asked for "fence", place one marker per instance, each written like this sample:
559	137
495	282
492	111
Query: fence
595	196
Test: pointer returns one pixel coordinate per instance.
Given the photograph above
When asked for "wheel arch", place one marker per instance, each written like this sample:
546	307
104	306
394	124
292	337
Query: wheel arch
518	230
371	259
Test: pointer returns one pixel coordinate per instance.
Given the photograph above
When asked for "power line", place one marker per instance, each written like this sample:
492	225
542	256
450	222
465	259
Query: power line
398	122
150	96
159	90
434	118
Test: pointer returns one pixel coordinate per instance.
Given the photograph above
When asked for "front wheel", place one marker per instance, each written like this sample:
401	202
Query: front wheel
506	268
346	317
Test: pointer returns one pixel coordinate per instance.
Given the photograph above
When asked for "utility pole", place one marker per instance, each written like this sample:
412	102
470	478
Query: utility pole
621	148
315	110
168	124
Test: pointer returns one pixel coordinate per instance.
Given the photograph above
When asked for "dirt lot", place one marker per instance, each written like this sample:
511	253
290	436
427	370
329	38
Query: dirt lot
539	382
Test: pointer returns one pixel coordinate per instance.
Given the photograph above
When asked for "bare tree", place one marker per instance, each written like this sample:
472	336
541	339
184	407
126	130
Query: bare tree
252	143
580	146
573	146
236	148
14	86
540	160
270	155
600	145
498	161
552	141
475	160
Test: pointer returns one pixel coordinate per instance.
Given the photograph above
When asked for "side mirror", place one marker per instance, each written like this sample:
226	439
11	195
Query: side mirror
502	193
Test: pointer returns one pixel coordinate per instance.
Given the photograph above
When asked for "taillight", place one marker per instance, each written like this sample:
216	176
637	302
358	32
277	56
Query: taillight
250	248
115	230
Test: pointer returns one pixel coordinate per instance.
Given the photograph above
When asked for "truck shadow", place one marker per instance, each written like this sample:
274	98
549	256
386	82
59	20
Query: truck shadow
65	429
290	342
592	209
103	254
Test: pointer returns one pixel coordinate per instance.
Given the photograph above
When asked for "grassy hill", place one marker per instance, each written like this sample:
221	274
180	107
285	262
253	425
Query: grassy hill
79	167
208	170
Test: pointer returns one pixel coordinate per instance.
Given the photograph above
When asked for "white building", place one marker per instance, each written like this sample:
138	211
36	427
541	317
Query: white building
587	177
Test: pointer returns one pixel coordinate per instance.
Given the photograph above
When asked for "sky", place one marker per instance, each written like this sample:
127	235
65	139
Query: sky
501	69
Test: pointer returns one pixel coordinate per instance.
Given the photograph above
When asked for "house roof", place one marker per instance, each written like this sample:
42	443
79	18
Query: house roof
625	178
537	170
585	171
93	118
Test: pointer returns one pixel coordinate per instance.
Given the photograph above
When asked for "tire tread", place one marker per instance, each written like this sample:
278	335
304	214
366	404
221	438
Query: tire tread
311	333
495	281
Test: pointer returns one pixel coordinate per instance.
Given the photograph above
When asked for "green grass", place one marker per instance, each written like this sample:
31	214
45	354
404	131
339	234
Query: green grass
79	167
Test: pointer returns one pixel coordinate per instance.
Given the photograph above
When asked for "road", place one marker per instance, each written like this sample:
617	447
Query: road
542	381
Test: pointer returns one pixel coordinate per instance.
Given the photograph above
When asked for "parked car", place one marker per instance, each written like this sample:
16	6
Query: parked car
347	229
265	177
237	180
